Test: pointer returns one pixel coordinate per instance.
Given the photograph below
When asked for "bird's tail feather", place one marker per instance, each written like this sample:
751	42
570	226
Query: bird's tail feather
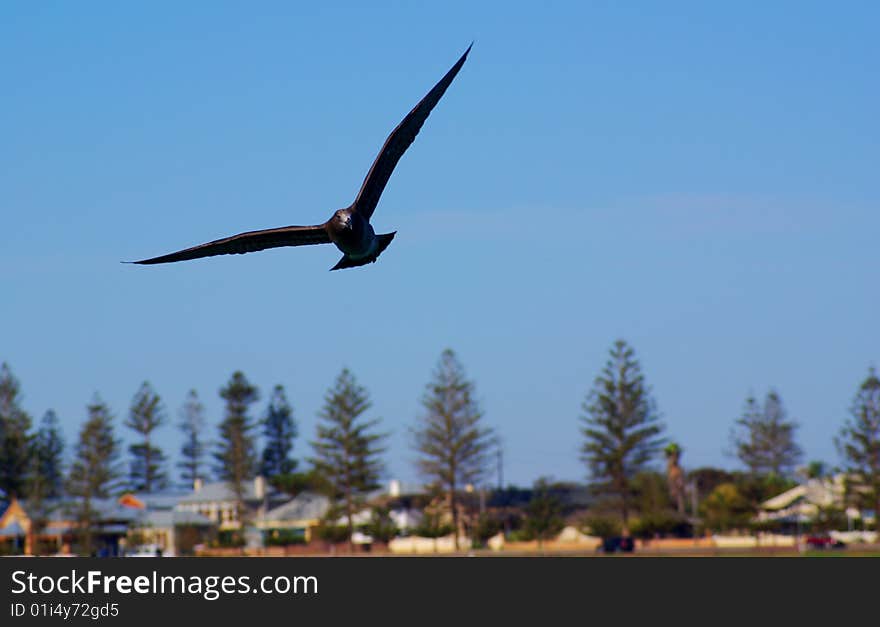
348	262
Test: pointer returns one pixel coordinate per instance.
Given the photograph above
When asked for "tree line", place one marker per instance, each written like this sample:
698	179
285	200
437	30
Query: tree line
623	438
623	435
346	460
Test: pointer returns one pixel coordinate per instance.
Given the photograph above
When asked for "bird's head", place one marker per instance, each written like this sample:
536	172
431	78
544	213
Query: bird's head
342	219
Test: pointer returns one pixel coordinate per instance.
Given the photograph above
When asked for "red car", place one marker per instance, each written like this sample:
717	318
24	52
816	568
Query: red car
824	542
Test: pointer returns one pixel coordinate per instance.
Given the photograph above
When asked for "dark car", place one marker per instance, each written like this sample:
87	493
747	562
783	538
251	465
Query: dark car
617	544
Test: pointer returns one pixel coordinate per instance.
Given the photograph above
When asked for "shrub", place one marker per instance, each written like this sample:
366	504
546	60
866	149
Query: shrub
284	537
602	526
661	523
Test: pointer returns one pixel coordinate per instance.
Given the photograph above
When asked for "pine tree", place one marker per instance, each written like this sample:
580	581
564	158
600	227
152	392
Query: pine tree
279	429
147	414
192	424
47	471
450	438
543	513
347	449
859	439
621	427
764	439
15	438
94	473
236	454
48	455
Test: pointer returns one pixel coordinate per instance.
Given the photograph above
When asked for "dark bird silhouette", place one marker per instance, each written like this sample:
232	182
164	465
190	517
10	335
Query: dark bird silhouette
348	228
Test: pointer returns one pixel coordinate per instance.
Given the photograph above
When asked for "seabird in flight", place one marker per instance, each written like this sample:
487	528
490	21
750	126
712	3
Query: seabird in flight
348	228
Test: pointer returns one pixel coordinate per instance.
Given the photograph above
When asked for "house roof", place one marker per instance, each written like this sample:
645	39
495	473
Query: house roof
13	529
65	509
821	492
221	491
305	506
785	499
153	500
171	518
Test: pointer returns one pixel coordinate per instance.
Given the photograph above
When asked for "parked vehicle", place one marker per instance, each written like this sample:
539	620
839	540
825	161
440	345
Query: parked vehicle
617	544
824	542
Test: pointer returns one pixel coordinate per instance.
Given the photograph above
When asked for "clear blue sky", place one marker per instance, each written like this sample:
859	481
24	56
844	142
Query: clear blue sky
700	180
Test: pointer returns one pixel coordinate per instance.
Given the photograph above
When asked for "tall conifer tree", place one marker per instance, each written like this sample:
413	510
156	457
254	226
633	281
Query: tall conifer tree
347	448
147	414
621	427
236	453
15	436
451	438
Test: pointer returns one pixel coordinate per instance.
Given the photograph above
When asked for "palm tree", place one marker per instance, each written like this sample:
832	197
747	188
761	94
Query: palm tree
675	476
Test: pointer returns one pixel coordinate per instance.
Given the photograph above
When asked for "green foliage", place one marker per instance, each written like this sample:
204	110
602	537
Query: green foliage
15	438
486	526
295	482
450	439
755	489
816	470
621	427
758	488
236	454
725	508
510	497
708	478
764	439
381	526
672	450
94	472
828	519
651	493
330	531
147	414
767	526
333	534
661	523
543	513
46	472
602	526
230	539
859	441
192	450
279	431
284	537
657	512
347	448
47	456
433	526
519	535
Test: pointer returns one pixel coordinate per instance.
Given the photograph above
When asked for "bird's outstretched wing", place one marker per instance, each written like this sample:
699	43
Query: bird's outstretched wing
400	139
249	242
